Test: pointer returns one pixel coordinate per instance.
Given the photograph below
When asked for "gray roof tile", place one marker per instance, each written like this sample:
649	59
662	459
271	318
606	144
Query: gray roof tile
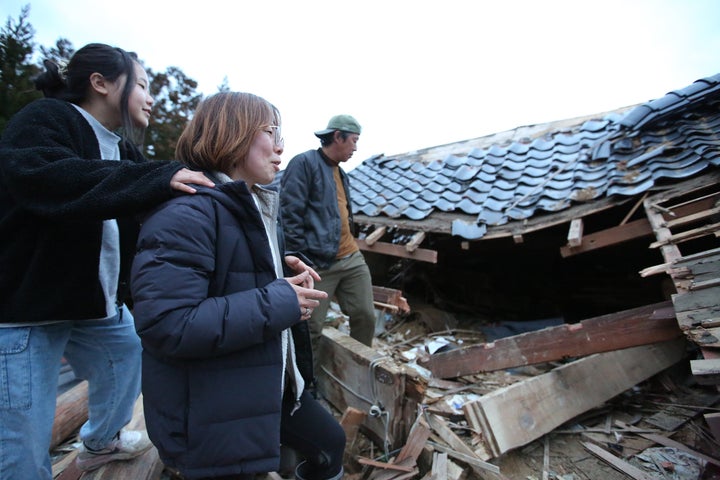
673	137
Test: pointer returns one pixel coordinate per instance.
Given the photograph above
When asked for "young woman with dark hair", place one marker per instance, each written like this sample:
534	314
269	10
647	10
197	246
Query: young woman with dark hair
70	189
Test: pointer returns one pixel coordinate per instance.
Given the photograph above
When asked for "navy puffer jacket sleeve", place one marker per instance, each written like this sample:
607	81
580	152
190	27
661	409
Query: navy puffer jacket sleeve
200	293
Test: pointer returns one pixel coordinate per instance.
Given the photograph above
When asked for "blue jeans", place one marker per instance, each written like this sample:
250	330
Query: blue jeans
107	353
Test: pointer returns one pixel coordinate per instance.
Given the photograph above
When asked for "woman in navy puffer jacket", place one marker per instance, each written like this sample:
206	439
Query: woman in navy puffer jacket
224	332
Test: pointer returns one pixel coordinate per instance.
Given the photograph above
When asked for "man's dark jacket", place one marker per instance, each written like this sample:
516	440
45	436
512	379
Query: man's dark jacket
309	208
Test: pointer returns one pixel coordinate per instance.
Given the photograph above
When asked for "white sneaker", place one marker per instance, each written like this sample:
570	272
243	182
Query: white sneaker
127	444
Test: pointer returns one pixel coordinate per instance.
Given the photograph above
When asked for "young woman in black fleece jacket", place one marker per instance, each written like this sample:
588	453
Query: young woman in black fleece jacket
70	187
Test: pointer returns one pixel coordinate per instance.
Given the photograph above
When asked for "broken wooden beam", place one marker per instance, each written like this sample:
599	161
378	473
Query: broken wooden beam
66	469
668	442
706	371
692	218
466	458
399	466
696	303
687	235
713	422
384	248
415	241
575	232
516	415
439	470
404	469
355	375
617	463
375	235
609	237
476	459
350	423
615	331
71	411
669	251
390	298
419	433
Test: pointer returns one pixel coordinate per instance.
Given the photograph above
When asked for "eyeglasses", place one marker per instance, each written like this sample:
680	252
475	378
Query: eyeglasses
277	136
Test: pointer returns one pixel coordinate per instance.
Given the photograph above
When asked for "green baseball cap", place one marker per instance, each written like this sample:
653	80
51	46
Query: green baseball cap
345	123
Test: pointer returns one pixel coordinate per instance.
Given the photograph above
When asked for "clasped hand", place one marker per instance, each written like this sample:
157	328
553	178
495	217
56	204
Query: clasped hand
303	283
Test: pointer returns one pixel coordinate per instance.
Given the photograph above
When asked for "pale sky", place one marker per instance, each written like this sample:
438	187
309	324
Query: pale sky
414	73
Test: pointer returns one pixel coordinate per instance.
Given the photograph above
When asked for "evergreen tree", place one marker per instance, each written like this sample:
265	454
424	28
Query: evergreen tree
175	101
224	86
175	93
61	52
16	67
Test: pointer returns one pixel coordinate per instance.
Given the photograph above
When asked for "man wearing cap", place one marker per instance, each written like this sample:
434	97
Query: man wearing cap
316	212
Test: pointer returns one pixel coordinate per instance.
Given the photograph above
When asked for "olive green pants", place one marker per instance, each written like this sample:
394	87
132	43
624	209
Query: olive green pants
349	283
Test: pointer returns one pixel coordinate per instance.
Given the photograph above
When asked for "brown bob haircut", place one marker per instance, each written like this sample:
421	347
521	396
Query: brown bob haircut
222	129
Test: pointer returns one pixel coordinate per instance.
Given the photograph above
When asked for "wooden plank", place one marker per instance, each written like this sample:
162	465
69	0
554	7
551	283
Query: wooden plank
415	241
669	442
419	433
687	187
467	458
687	219
386	295
355	375
617	463
655	270
706	372
705	337
400	467
713	421
712	255
65	468
629	328
71	411
406	460
702	285
687	406
631	444
420	254
396	471
704	317
350	422
375	235
702	264
476	459
575	233
693	300
439	468
670	252
522	412
688	235
609	237
391	296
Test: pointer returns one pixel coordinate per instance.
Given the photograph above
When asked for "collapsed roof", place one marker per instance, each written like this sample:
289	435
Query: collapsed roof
530	171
